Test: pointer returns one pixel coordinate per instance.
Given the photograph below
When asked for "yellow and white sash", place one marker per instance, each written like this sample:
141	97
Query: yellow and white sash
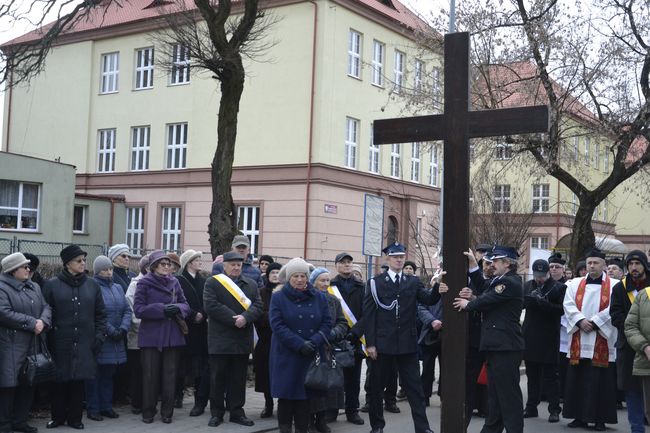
349	315
239	296
632	294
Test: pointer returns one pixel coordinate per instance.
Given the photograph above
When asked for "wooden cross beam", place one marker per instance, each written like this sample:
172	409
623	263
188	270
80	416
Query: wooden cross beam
456	126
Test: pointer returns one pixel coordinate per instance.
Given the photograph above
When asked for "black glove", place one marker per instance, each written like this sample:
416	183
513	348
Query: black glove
171	310
97	346
308	348
117	335
333	336
352	338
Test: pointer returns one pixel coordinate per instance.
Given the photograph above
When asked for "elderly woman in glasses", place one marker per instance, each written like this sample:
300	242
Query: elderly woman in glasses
161	305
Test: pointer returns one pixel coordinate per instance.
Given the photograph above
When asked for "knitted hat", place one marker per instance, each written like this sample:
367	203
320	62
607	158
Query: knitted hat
13	262
70	252
266	258
188	256
143	264
272	266
33	261
117	250
637	255
155	257
316	273
294	266
101	263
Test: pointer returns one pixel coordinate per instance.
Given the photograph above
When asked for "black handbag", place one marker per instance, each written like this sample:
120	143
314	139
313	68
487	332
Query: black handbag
344	354
324	374
39	366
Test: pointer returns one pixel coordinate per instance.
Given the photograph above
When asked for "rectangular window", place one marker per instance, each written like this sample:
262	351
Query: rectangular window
177	145
378	63
140	148
79	219
106	151
110	73
576	147
415	162
501	198
373	155
248	223
395	160
604	209
144	68
180	73
418	70
135	229
171	229
587	145
434	167
354	54
19	205
436	88
351	141
574	204
606	158
540	242
597	156
398	70
540	197
503	151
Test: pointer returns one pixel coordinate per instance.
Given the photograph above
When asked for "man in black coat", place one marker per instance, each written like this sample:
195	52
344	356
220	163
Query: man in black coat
390	321
232	303
501	340
543	297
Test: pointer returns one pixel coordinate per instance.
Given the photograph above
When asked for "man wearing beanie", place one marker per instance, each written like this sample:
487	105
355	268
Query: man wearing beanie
623	295
120	255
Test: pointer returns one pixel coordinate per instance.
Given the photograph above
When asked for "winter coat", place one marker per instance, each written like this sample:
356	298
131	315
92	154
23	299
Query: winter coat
118	318
248	270
122	277
132	335
637	332
78	324
426	315
352	291
197	339
21	304
339	322
152	294
295	317
263	346
224	338
541	327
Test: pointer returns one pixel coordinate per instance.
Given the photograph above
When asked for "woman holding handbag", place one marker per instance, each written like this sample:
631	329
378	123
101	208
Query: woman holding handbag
24	315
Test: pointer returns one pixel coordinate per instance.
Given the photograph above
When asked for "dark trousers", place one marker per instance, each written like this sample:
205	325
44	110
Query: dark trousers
473	364
159	378
296	411
563	363
408	367
543	377
352	385
134	366
390	384
99	391
15	403
429	355
228	378
67	401
201	372
505	401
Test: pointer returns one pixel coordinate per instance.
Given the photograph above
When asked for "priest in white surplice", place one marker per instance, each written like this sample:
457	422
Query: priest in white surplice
590	393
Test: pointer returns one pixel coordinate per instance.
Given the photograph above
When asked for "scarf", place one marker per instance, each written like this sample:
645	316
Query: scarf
601	349
72	280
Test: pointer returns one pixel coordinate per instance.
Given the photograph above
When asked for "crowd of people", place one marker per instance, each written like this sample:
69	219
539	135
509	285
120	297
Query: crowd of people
584	341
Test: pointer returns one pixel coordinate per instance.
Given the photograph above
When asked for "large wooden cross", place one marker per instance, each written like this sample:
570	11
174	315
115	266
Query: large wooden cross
456	126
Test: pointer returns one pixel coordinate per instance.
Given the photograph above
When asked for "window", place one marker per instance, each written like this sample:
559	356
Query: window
606	158
176	145
144	68
434	168
180	73
106	151
135	229
501	198
354	54
417	72
19	205
373	155
248	223
587	144
140	148
604	210
576	146
351	140
596	156
79	219
540	242
398	71
436	88
540	197
503	151
415	162
574	204
378	63
110	72
395	160
171	229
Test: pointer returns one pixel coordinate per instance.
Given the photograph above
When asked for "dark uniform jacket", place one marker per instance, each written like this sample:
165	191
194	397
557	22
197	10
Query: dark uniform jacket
501	305
224	338
394	332
478	283
541	326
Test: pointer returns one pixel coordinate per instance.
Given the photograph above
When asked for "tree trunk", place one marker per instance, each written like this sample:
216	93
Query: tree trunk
583	237
223	219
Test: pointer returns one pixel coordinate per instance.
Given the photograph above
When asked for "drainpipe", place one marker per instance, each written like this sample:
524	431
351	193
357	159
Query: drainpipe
111	221
311	126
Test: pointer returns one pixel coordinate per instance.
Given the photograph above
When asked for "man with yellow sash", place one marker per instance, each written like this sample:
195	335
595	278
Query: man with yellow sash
232	303
623	295
590	394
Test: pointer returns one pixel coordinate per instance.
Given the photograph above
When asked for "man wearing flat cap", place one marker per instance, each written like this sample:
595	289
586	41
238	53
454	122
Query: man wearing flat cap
242	245
590	394
232	303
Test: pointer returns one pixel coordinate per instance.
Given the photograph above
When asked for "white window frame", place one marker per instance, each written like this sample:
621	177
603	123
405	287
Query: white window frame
351	142
416	148
110	78
106	150
134	237
20	208
606	160
576	148
434	165
501	199
180	73
597	156
171	228
574	204
436	87
374	155
248	224
418	71
503	152
140	147
378	57
84	219
587	145
604	210
144	63
540	242
541	192
177	134
398	71
395	160
354	54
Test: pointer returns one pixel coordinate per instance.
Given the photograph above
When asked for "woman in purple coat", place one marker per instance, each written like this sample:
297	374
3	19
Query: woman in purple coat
160	303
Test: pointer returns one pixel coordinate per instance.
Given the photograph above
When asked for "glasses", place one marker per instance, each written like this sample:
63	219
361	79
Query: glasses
27	267
166	264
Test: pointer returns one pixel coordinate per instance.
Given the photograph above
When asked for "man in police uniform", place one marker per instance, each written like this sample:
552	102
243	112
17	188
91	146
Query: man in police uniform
390	312
501	340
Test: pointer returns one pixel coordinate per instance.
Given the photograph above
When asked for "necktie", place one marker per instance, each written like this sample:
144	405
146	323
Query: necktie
397	280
